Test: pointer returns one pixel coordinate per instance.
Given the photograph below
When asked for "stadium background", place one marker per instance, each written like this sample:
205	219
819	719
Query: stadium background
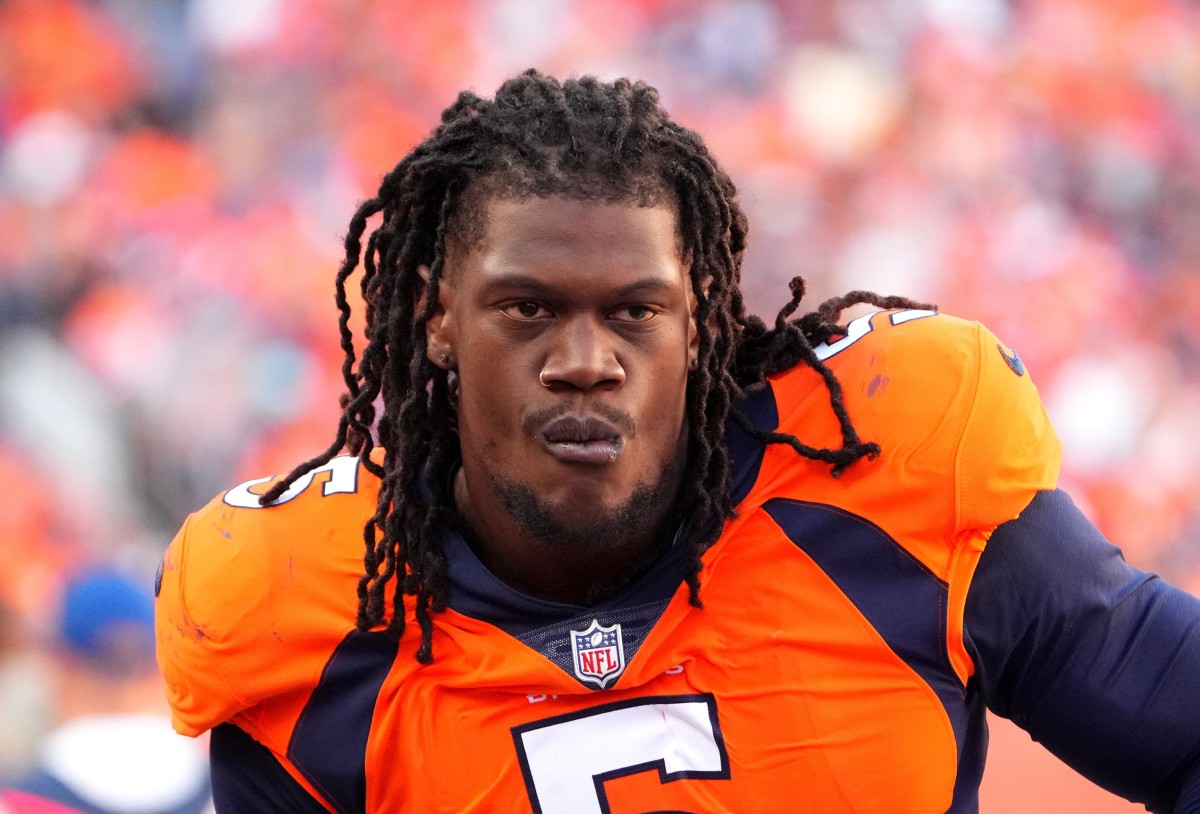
175	176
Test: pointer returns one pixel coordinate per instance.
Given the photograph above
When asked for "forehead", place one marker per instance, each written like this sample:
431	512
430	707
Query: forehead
571	234
557	219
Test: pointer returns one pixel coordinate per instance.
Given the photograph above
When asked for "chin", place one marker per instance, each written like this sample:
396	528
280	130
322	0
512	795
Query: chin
576	522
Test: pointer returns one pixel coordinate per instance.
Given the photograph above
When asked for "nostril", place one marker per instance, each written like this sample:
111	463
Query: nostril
583	373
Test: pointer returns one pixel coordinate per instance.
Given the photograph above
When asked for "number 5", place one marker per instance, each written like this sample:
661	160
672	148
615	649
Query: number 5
343	479
566	760
862	326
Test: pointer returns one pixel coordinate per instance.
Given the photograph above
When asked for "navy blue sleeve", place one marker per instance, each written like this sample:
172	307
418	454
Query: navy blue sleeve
247	779
1096	660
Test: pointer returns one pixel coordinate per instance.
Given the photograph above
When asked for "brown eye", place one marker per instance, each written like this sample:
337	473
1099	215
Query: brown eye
525	310
634	313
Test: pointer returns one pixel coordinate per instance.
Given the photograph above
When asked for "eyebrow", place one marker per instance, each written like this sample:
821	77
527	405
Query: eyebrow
644	287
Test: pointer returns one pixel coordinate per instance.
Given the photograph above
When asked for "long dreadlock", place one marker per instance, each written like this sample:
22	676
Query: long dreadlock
582	139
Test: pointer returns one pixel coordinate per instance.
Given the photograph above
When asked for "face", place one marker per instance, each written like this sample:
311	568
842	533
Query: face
571	327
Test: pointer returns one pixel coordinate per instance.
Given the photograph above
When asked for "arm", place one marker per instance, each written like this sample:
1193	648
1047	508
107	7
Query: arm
247	778
1098	661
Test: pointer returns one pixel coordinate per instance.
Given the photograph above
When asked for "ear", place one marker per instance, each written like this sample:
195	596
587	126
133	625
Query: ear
439	330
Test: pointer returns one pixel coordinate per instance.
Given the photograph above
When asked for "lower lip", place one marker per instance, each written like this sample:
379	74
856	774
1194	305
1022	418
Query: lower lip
586	452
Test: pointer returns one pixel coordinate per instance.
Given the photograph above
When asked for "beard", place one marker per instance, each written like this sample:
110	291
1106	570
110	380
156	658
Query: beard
576	530
588	532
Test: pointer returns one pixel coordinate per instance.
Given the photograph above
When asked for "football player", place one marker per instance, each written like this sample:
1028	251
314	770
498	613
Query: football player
591	538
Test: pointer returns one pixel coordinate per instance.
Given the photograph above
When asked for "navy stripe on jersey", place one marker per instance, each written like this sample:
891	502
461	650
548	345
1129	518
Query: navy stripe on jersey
902	599
329	742
746	453
898	595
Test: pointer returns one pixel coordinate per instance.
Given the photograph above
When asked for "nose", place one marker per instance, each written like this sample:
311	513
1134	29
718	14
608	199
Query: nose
583	356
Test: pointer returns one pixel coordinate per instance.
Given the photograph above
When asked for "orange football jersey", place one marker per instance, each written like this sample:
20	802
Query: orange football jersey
826	672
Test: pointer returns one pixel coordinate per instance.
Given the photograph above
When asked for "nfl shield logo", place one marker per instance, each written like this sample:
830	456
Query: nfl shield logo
598	653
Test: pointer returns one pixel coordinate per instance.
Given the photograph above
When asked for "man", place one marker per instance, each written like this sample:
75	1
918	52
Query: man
657	555
111	750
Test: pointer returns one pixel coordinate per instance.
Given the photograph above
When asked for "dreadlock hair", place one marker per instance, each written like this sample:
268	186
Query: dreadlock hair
582	139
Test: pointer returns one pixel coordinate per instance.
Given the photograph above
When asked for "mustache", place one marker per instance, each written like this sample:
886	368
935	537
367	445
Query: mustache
531	423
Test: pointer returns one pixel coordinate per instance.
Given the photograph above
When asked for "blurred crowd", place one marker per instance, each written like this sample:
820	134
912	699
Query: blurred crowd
176	175
109	748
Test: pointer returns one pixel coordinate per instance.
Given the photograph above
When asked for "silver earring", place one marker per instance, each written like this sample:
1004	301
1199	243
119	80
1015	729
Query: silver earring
444	359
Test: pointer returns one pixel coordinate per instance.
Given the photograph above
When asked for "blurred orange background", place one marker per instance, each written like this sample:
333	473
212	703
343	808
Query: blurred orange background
175	176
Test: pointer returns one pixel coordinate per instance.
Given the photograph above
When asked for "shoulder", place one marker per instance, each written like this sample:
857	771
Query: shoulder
248	593
231	556
920	371
953	408
902	353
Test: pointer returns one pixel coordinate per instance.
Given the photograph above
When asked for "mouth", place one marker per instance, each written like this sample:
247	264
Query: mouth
585	440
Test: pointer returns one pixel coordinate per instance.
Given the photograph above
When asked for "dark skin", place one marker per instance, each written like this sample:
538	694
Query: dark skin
571	328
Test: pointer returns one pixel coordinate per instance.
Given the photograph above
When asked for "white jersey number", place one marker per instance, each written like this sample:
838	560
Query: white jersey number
566	760
343	479
858	328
